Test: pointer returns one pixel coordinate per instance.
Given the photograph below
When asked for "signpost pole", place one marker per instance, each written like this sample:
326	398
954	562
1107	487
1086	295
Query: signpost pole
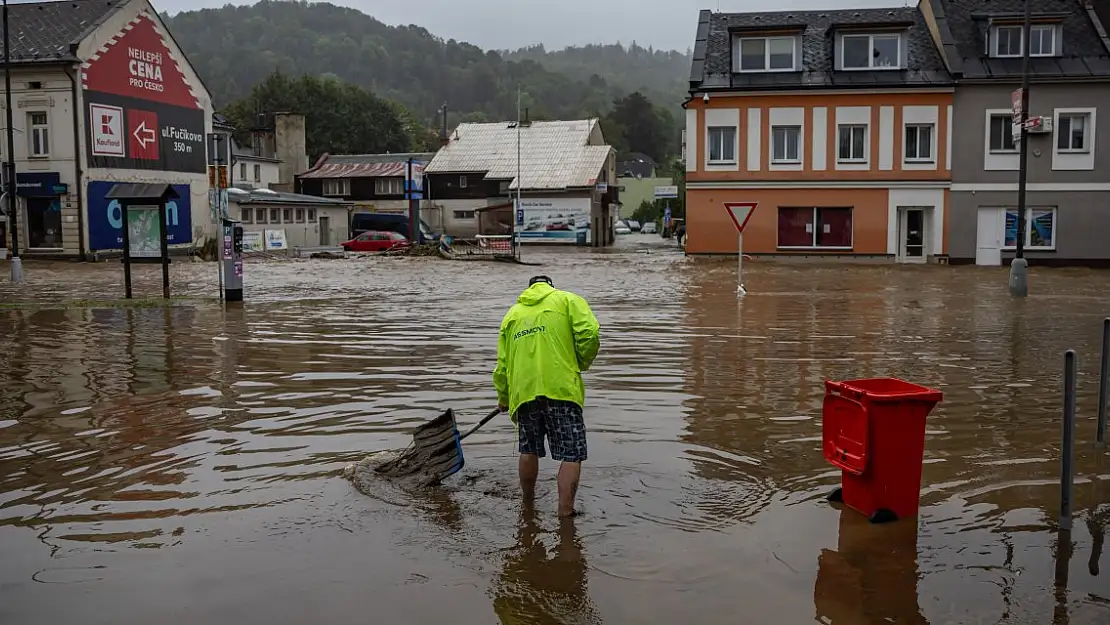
1019	268
740	213
740	263
126	250
164	248
13	200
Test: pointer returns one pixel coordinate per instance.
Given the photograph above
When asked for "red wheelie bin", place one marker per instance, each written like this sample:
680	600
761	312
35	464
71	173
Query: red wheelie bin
873	430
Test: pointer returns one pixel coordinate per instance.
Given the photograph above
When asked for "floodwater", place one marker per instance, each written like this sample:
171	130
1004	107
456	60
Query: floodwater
184	465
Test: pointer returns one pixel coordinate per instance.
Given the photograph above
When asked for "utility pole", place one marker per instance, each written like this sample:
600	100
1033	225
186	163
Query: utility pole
13	203
1019	268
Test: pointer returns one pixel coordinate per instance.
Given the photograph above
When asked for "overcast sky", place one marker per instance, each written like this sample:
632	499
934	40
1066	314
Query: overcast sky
500	24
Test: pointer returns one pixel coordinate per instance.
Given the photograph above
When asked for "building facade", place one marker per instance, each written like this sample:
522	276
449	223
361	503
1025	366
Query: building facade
837	123
101	95
1067	220
278	221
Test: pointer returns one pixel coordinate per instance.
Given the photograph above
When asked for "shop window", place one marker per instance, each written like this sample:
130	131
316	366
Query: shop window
815	227
1040	228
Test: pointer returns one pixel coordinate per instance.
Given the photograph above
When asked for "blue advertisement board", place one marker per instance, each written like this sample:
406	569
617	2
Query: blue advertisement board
106	217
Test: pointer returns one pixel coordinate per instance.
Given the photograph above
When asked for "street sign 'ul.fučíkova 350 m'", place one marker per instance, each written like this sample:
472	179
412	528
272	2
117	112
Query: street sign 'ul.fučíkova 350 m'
740	213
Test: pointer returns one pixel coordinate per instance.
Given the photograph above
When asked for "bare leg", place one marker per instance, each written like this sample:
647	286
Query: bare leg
569	472
529	468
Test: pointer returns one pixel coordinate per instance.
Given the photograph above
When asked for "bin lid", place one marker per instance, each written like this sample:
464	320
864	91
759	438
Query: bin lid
844	433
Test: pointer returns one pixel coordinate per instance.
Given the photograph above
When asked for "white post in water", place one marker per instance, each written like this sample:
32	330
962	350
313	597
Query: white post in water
740	213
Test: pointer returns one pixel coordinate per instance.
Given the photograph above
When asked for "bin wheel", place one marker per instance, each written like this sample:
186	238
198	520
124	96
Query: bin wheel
836	496
882	515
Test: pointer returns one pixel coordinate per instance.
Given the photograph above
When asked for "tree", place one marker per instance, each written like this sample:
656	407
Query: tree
642	126
340	118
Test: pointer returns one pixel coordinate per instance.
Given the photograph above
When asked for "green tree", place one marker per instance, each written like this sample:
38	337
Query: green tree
340	117
640	127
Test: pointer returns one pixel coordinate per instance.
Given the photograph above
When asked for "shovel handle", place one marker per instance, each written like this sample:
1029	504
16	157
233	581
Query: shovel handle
485	420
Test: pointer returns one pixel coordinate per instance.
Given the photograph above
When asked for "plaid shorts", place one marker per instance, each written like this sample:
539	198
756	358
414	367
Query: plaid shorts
560	421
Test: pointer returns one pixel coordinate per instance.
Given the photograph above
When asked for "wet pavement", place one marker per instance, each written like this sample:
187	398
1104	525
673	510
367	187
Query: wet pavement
183	464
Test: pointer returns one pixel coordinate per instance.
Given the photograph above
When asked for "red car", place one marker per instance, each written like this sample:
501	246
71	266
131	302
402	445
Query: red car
373	241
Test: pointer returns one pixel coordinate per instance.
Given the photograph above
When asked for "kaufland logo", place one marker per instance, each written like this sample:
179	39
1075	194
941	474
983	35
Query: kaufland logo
107	130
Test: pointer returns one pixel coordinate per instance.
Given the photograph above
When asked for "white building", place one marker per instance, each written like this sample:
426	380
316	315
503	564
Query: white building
294	220
102	94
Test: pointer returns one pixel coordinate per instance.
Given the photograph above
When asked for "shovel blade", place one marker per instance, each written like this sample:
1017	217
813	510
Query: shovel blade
436	452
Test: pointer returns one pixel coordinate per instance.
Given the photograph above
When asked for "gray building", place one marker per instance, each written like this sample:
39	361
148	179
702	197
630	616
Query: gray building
1068	202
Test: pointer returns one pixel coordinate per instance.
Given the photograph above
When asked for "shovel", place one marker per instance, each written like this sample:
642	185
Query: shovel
436	450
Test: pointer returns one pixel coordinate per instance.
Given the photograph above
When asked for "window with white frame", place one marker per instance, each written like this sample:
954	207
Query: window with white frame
722	144
1001	134
851	143
919	143
1040	228
312	215
242	171
1006	40
260	215
389	186
275	215
247	215
462	182
299	215
872	51
464	214
39	135
337	187
786	143
763	54
257	173
1073	132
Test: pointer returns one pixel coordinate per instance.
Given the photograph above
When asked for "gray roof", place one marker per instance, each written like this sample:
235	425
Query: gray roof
47	31
963	26
553	155
266	196
373	159
712	64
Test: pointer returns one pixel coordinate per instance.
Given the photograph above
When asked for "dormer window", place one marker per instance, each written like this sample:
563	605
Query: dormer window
1006	40
871	51
765	54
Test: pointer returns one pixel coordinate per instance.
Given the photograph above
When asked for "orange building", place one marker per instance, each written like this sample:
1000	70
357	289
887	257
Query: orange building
838	123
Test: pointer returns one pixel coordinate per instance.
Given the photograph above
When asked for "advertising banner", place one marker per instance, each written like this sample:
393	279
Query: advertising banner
105	218
561	220
140	110
275	240
252	241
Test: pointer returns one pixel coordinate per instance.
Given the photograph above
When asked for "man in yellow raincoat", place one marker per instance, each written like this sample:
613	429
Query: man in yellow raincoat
547	339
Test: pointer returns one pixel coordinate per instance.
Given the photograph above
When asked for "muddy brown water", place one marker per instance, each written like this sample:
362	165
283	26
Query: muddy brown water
184	465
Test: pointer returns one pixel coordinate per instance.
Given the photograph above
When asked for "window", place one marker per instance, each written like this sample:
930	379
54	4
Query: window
337	187
260	216
299	215
464	214
462	182
275	215
786	143
919	142
257	173
1040	228
242	171
287	215
40	135
722	144
390	186
312	215
248	215
852	143
1072	132
870	51
761	54
1006	40
1002	137
820	227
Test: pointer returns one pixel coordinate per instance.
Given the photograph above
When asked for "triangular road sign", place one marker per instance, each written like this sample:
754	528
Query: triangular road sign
740	213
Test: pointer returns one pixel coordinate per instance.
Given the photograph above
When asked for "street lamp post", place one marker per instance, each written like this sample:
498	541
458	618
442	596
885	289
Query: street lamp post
17	265
1019	268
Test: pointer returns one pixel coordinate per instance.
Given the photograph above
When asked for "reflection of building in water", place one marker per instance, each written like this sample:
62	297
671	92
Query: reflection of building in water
538	586
872	575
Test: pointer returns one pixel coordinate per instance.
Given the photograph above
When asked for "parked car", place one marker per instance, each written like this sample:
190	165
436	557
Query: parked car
622	228
633	225
649	228
376	241
388	222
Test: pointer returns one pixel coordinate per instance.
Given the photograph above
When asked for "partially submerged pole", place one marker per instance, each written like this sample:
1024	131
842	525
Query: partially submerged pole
1067	447
1103	383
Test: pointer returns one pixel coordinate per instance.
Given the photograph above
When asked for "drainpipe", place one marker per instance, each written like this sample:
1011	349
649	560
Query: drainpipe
71	72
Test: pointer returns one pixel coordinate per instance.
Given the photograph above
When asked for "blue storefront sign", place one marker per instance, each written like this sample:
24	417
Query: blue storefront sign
106	218
40	184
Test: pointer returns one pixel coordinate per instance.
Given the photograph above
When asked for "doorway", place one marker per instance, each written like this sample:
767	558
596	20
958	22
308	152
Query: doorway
988	237
325	231
913	242
44	223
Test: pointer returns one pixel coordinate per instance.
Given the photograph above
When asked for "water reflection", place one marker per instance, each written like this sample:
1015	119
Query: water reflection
542	585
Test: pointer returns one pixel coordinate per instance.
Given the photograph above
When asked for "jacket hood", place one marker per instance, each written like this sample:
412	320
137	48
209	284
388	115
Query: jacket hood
534	294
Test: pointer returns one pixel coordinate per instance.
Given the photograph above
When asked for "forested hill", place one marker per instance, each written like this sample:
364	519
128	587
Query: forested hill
235	47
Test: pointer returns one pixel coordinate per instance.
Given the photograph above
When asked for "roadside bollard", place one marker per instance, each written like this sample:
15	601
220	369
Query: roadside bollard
874	431
1103	383
1067	448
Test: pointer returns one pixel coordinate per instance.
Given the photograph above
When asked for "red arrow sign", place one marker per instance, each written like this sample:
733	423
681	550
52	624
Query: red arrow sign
740	213
143	131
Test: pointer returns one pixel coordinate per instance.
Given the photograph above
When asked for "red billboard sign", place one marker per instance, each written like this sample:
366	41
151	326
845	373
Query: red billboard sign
141	110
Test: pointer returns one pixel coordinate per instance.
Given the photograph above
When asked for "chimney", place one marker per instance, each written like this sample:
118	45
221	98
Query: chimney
290	146
443	138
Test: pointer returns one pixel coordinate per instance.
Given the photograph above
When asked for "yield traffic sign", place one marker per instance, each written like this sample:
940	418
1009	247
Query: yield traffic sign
740	213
